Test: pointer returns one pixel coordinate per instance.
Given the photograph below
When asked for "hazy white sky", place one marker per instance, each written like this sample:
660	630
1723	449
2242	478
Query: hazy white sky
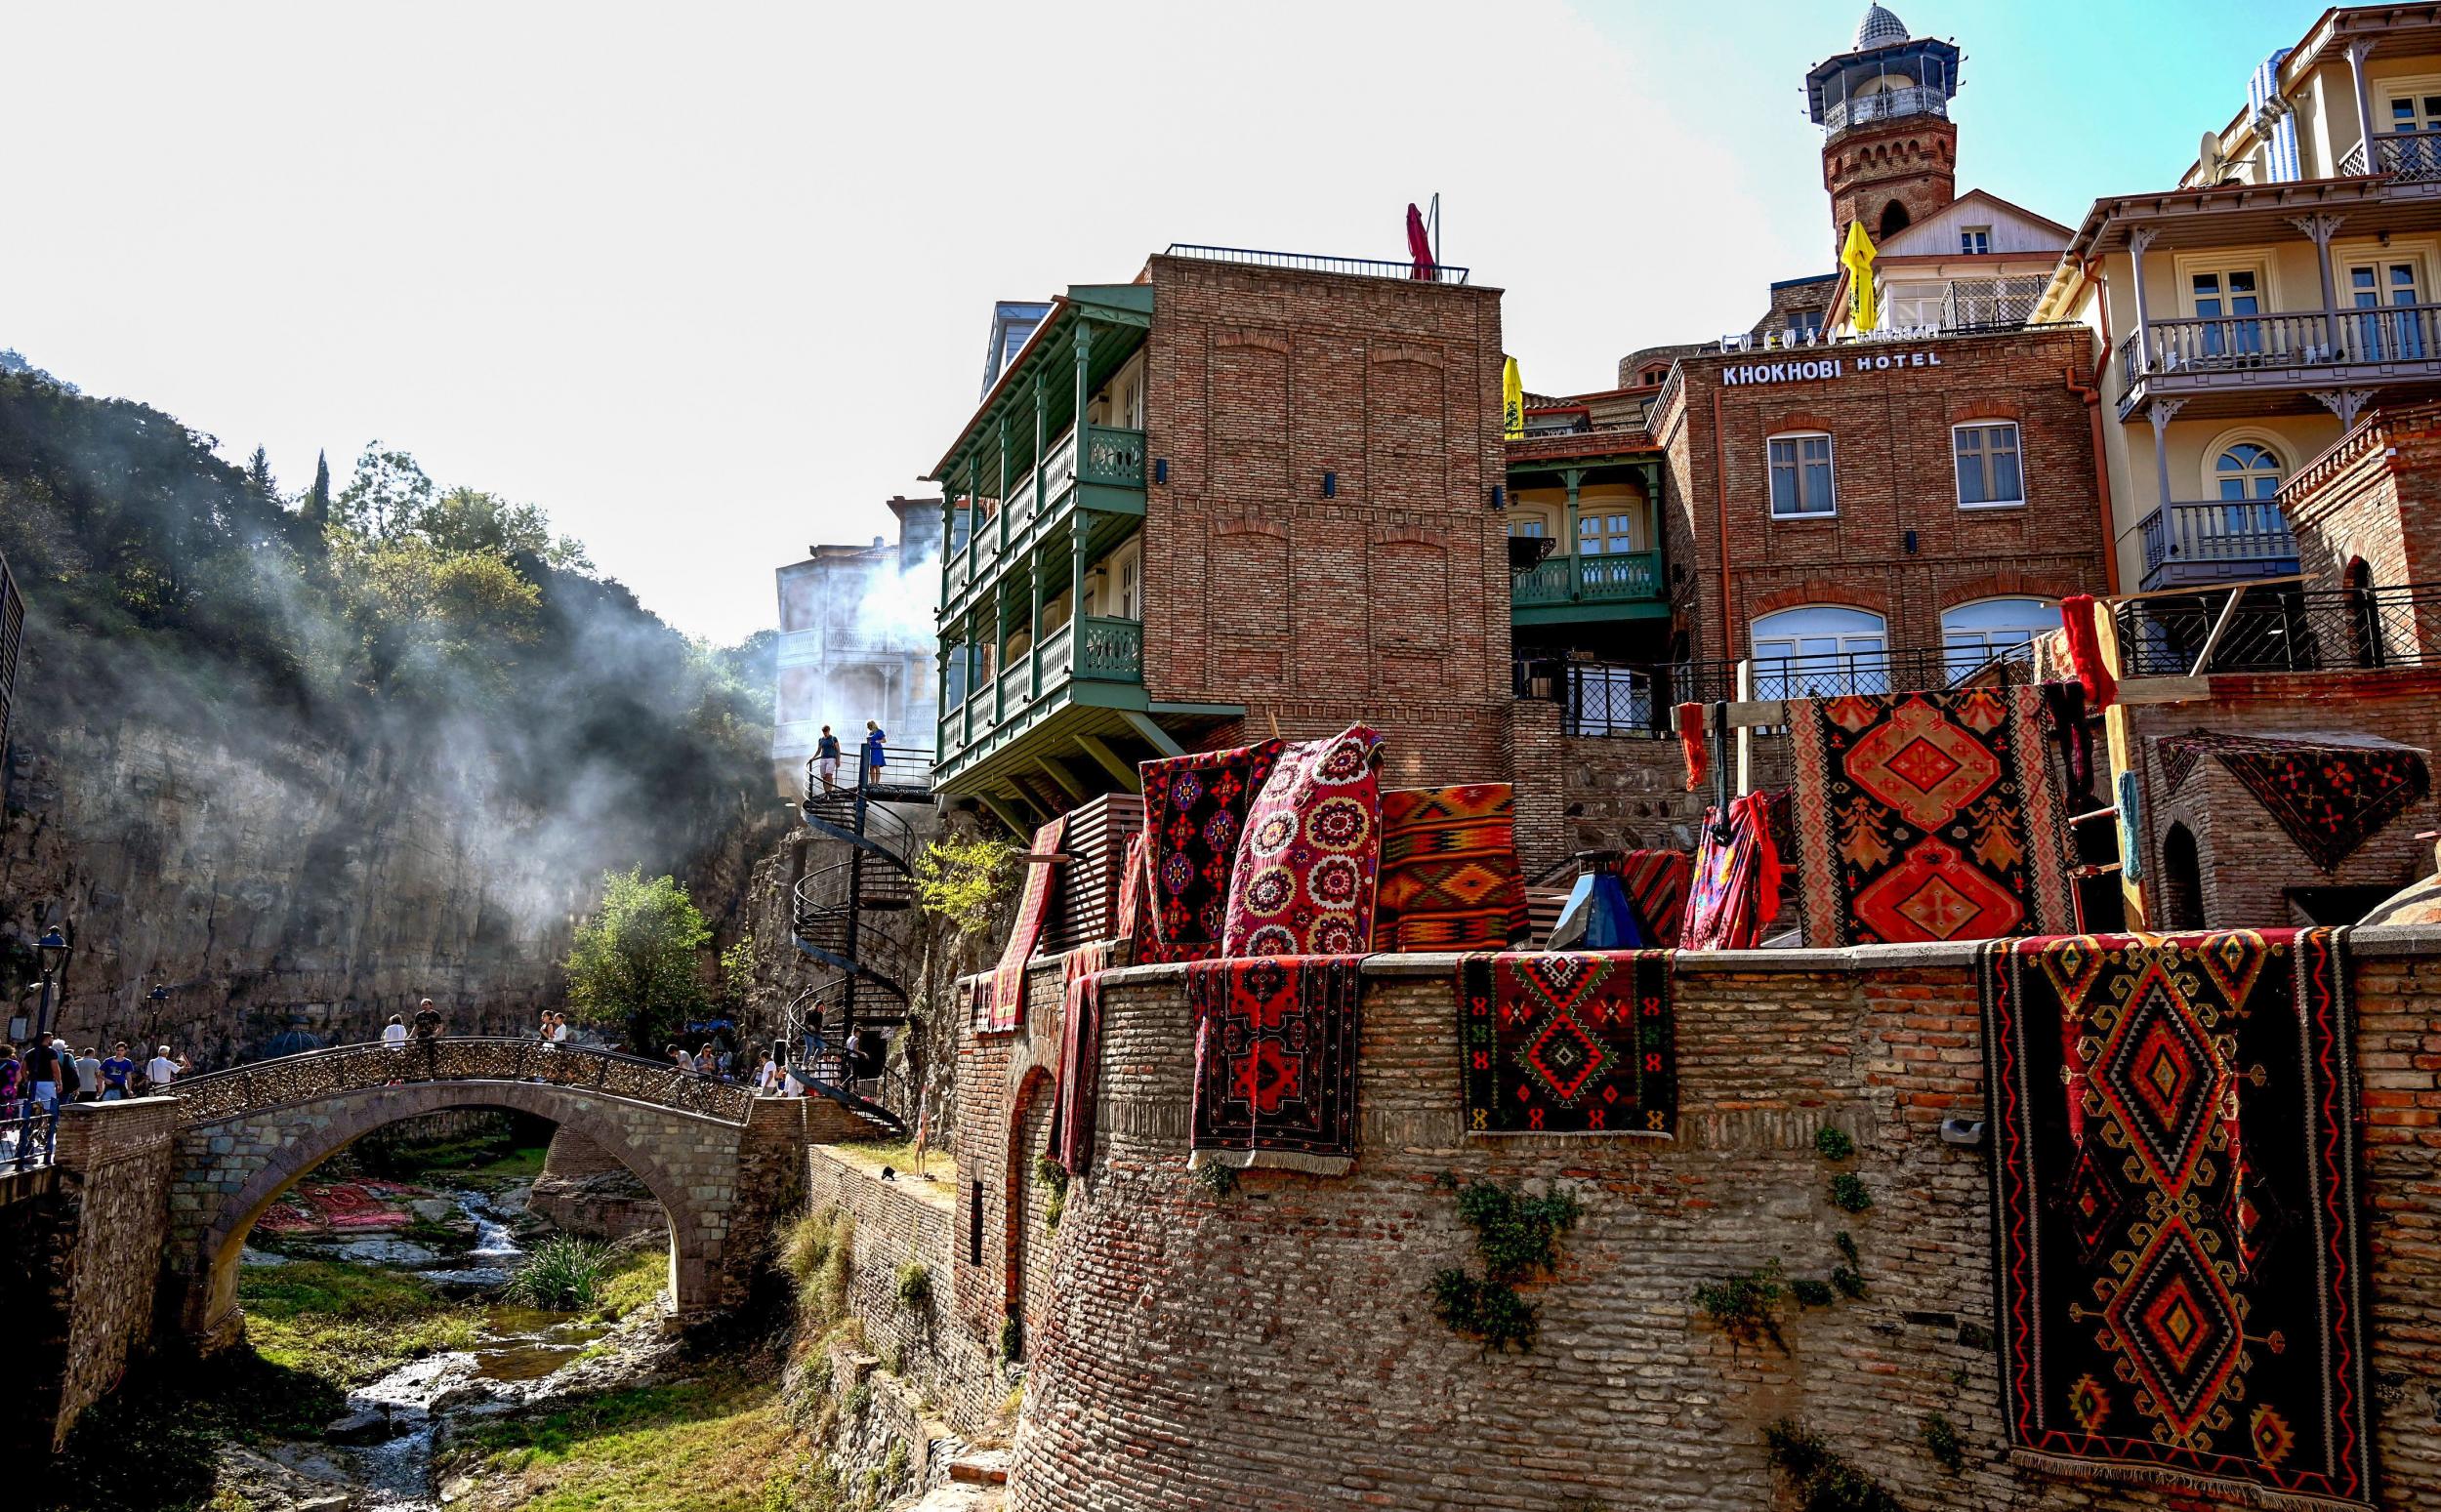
709	282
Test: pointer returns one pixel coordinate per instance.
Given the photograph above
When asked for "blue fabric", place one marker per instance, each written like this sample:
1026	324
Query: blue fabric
1597	917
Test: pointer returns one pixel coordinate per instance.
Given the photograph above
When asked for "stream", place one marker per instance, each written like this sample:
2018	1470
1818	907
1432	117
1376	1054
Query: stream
378	1456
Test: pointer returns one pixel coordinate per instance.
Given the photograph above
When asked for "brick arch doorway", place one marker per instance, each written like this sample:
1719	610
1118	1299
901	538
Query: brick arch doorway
322	1129
1026	1278
2181	881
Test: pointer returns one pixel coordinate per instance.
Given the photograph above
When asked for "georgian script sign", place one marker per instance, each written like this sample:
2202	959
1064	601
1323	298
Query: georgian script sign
1809	369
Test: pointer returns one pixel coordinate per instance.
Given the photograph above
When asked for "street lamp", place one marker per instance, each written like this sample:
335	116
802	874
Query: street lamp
52	951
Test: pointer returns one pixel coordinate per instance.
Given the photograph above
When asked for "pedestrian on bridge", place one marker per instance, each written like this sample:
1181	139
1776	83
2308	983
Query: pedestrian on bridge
117	1073
681	1059
426	1021
160	1071
394	1033
89	1076
42	1072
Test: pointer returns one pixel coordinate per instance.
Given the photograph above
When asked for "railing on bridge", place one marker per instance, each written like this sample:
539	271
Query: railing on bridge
290	1080
28	1133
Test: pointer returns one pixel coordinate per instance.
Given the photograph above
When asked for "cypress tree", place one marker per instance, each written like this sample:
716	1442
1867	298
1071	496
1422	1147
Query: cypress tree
317	499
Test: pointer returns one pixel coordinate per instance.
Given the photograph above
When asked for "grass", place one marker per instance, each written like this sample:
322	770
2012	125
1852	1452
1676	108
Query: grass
345	1325
688	1447
483	1158
870	1155
818	1252
564	1275
633	1282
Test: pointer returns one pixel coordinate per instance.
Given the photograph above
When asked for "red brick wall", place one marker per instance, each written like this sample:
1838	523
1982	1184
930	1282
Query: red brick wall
1912	161
2374	497
1388	602
1894	473
1276	1349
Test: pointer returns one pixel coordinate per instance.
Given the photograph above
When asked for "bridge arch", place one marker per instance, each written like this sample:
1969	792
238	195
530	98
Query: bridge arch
246	1137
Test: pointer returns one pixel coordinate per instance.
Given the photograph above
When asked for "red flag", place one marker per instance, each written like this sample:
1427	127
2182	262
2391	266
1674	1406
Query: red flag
1419	244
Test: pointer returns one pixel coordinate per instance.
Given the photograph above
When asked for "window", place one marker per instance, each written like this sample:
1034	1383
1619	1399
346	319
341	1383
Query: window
1526	525
1988	472
1800	476
2220	296
2415	112
1975	240
1601	535
1819	650
2386	337
1974	634
2246	479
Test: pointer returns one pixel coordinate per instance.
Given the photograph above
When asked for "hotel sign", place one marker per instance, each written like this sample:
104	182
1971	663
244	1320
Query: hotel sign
1810	369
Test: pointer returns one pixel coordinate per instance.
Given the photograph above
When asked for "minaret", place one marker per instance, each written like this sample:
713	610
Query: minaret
1890	155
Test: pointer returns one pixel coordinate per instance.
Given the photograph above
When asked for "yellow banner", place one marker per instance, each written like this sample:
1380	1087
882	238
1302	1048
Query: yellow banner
1511	400
1857	257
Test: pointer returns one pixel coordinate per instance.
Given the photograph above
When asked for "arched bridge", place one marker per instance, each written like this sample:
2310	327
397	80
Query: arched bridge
722	1162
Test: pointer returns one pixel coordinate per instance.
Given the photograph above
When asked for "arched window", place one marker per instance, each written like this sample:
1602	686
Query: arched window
1974	634
2246	479
1819	650
1894	219
2182	882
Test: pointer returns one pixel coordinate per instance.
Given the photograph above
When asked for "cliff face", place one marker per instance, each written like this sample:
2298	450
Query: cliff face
290	881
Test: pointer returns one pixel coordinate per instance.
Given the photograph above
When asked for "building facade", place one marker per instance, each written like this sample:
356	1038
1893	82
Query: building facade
856	642
1278	514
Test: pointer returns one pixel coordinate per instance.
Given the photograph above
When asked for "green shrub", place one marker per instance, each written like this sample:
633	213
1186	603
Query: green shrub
1846	1243
1518	1236
1822	1481
1850	1281
1812	1292
1746	1306
859	1398
1941	1441
1011	1339
564	1275
1489	1310
1218	1181
1052	1178
818	1252
915	1286
1834	1144
1848	1193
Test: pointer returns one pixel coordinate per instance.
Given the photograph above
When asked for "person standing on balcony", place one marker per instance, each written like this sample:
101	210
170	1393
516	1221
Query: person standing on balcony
826	758
873	738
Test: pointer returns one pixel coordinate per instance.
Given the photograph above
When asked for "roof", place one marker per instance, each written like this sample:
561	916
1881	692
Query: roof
1880	27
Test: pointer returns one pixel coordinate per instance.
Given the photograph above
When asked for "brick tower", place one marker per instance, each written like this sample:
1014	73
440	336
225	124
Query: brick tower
1889	152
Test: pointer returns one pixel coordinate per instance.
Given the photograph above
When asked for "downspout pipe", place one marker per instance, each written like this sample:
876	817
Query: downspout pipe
1720	501
2090	390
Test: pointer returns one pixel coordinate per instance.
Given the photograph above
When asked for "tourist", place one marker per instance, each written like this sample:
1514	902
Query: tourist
873	738
394	1033
826	758
161	1071
426	1021
542	1032
42	1073
707	1064
117	1073
855	1057
558	1028
767	1076
89	1076
681	1059
13	1105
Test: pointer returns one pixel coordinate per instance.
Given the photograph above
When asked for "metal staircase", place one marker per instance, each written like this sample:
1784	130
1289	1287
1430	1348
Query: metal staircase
852	910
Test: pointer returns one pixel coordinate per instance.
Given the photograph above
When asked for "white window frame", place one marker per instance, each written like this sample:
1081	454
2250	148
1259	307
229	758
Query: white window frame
1956	658
1831	464
1967	235
2019	430
2266	274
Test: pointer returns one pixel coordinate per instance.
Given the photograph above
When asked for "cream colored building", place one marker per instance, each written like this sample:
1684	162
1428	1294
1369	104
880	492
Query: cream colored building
2249	314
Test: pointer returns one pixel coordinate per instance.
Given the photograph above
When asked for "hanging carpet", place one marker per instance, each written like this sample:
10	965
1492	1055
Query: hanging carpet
2329	793
1928	816
1450	879
1656	885
1733	888
1275	1062
1194	816
1080	1058
1311	857
2175	1213
1552	1043
1000	996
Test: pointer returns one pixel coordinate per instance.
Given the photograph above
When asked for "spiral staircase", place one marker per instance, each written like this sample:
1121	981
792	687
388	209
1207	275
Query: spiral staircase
854	911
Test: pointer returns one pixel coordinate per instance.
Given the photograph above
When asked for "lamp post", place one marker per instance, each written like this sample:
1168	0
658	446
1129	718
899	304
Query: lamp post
52	950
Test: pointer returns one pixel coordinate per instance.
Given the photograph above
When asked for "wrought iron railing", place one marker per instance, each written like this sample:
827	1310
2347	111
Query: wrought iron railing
2239	344
29	1136
1885	105
1597	698
293	1079
1841	674
2233	532
1624	577
2281	628
1313	262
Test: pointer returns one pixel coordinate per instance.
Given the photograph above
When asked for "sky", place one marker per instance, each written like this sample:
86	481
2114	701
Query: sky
710	282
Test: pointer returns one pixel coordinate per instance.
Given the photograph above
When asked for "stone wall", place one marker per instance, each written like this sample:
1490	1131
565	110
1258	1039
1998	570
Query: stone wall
97	1239
1277	1348
585	1190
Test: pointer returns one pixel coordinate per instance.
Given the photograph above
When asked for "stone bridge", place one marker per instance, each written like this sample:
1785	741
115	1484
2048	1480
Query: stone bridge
723	1163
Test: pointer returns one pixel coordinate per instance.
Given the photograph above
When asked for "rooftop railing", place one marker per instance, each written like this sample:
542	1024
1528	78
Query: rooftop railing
1885	105
2281	628
1315	262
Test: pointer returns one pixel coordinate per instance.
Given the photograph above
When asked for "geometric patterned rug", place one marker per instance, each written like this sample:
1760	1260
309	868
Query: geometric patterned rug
1449	870
2178	1261
1559	1043
1275	1062
998	1002
1928	816
2331	796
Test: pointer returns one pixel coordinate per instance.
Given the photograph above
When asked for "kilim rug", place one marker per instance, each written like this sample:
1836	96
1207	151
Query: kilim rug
1275	1062
1733	888
1307	868
2175	1204
1928	816
1552	1043
1450	879
1656	884
1194	816
1000	997
1080	1058
2331	796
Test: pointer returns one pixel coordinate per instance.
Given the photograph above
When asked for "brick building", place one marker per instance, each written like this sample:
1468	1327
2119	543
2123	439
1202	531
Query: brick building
853	645
1281	517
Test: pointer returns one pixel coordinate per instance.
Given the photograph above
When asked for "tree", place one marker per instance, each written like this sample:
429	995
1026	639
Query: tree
468	519
638	960
317	499
258	475
389	493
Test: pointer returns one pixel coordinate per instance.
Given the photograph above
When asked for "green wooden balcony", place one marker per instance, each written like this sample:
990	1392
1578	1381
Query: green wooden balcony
1620	584
1097	664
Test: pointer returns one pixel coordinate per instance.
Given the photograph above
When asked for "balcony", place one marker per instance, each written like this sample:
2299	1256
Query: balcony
2279	352
2216	540
1097	664
1889	104
2410	157
1621	585
2282	628
1108	475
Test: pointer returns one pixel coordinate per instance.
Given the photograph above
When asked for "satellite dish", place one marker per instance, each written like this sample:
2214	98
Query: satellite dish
2207	159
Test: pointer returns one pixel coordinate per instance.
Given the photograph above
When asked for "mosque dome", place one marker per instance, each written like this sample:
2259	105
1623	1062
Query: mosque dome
1879	28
